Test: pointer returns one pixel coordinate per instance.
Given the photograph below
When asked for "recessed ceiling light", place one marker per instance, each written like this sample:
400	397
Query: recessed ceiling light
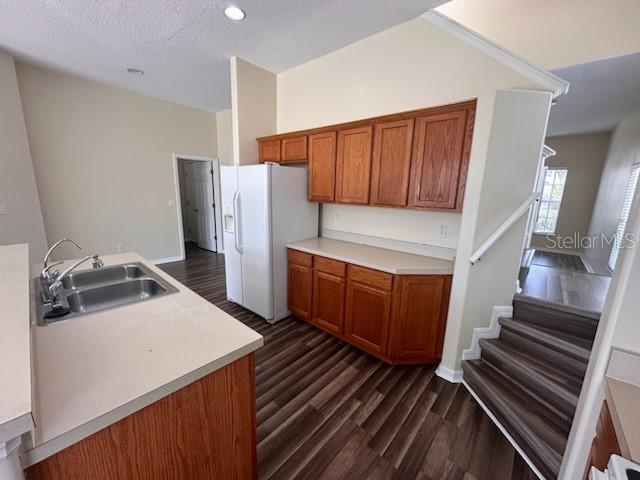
135	71
234	13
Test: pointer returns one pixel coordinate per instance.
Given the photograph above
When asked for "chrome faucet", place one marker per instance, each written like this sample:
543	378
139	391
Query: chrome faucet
54	288
47	274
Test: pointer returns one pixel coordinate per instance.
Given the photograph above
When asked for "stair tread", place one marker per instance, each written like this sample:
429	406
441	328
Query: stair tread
567	383
520	414
578	347
560	307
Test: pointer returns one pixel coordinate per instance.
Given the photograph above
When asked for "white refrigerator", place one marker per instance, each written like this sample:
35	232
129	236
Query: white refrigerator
264	207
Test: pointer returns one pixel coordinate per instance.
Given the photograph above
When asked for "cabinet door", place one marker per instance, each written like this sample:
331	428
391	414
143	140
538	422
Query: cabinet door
328	301
294	149
322	167
420	304
269	151
368	311
391	163
353	165
439	152
299	281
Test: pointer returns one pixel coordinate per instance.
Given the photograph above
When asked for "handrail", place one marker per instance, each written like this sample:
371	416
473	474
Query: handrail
513	218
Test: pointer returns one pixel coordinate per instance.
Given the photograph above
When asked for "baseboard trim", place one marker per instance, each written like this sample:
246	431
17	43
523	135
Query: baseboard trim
504	432
492	331
452	376
160	261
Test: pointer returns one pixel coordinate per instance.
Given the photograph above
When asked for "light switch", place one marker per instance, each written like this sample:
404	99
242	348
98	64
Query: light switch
3	208
171	203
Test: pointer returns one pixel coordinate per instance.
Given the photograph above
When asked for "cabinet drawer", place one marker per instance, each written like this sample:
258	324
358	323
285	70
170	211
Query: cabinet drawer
327	265
299	258
373	278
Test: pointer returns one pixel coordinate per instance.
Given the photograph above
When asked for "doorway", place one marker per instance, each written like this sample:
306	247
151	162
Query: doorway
197	181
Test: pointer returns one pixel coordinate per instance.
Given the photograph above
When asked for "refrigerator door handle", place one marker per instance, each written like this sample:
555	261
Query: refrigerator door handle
236	220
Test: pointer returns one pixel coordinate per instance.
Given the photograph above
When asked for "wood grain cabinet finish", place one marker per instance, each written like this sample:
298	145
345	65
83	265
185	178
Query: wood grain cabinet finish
368	313
440	160
328	301
322	167
417	159
353	165
299	284
269	151
293	149
203	431
391	163
420	316
397	318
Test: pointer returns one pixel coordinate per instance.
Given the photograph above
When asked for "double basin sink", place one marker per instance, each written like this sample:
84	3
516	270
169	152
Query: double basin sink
88	291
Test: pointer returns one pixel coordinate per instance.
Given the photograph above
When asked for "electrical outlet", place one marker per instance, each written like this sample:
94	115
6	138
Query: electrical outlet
3	208
443	231
339	218
171	203
120	247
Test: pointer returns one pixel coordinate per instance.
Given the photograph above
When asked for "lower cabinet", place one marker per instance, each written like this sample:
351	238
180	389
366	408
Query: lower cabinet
368	309
397	318
299	281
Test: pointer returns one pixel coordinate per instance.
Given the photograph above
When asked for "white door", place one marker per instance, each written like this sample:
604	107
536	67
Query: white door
201	204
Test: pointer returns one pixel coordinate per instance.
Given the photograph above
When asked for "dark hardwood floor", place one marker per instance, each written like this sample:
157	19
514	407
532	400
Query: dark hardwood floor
326	410
559	260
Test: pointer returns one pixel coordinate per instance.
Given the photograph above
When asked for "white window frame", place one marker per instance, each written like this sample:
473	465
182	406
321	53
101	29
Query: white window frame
629	193
542	201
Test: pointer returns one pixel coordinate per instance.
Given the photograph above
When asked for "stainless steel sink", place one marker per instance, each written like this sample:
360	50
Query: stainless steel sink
89	291
115	273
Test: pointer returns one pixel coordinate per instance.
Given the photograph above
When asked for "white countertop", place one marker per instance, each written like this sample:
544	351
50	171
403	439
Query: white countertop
93	370
15	350
391	261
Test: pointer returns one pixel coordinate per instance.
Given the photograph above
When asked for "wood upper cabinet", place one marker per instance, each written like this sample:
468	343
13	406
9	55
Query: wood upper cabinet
391	162
353	165
420	316
328	294
368	309
299	282
322	167
269	151
293	149
440	159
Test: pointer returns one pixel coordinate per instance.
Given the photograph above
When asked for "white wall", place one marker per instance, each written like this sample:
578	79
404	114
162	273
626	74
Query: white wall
225	137
502	173
583	156
413	65
554	34
23	221
253	108
624	151
103	161
618	328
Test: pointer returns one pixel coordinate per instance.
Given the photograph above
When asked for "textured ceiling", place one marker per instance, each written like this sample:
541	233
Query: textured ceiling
184	46
602	93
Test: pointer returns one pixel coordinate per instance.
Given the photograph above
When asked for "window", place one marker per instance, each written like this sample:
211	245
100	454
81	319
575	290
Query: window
624	215
552	191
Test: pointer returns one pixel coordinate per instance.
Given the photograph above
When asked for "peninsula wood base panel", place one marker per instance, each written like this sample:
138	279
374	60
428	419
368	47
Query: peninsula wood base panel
399	319
205	430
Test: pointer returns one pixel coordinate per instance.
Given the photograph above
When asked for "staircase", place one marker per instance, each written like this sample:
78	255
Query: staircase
530	377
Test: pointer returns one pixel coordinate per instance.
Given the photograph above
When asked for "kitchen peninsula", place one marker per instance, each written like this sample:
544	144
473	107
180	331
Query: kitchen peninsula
163	385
